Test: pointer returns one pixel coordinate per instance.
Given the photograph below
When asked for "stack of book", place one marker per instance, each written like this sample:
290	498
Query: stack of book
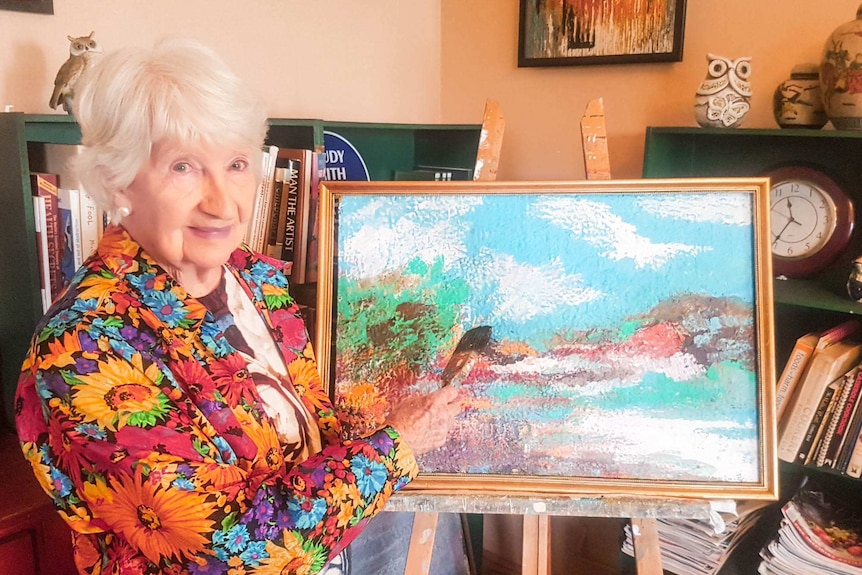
693	547
284	218
817	535
817	400
68	227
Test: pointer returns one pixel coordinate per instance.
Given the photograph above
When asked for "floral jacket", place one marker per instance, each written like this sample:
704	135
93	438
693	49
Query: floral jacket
141	423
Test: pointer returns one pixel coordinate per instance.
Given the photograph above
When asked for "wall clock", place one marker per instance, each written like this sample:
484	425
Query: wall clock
812	220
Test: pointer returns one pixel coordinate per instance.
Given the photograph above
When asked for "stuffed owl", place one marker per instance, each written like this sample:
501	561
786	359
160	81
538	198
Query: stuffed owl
81	51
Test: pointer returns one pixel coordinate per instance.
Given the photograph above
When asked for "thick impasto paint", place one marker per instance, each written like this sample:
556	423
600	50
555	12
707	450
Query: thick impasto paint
623	329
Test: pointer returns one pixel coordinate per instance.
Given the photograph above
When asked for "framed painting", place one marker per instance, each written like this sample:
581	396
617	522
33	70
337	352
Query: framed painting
40	6
579	32
609	337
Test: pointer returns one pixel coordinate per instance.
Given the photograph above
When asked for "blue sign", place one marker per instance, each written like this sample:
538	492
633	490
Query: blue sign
343	161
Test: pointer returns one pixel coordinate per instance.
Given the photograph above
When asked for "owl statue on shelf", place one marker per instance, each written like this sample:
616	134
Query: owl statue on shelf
723	98
81	51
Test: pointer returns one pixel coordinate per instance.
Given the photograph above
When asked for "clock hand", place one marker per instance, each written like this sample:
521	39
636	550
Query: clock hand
777	236
790	213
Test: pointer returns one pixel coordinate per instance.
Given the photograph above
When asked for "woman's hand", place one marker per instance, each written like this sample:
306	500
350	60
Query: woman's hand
424	421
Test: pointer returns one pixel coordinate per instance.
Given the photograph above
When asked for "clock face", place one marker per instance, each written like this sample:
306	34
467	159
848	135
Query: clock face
812	220
803	219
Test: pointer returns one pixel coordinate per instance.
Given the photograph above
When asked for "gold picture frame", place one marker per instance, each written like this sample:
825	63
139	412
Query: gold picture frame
627	330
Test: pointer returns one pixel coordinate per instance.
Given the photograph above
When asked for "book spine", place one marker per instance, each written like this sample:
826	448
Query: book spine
854	462
276	216
792	372
288	239
45	185
42	251
834	415
311	272
854	430
70	224
808	447
254	235
843	425
90	224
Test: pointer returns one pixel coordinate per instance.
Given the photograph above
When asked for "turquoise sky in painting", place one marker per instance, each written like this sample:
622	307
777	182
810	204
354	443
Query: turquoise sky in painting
541	263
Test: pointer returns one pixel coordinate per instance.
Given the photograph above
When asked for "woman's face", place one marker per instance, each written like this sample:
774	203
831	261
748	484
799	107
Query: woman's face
189	208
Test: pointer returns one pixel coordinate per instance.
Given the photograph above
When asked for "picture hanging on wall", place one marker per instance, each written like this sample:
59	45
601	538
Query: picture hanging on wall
579	32
606	336
40	6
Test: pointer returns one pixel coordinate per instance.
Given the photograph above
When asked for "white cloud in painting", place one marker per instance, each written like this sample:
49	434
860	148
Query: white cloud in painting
614	238
727	209
390	233
523	291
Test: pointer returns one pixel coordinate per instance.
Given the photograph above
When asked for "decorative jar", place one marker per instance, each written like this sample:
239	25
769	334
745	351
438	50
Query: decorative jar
841	75
798	102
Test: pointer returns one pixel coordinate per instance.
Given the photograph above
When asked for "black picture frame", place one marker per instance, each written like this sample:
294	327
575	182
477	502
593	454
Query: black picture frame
582	25
38	6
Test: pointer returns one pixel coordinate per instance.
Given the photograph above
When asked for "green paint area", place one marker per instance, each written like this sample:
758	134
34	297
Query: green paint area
725	391
400	321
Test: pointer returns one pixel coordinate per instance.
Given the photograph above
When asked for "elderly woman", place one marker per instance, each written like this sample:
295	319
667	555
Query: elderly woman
170	404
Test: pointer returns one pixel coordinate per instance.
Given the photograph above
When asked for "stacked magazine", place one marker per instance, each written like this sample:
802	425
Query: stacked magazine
695	547
817	535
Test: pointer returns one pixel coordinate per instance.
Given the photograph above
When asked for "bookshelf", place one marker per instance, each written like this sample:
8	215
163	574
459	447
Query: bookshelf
384	147
801	305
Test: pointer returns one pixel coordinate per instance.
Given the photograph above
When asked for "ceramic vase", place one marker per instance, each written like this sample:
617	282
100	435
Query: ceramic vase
724	97
798	102
841	75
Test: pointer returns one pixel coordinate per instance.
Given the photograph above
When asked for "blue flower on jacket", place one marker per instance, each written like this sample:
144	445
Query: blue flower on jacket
254	553
306	513
370	475
166	306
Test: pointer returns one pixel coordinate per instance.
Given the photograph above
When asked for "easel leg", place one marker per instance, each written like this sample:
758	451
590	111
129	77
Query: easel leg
646	546
421	544
536	559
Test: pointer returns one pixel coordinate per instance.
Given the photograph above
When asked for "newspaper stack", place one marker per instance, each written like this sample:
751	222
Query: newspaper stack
817	535
695	547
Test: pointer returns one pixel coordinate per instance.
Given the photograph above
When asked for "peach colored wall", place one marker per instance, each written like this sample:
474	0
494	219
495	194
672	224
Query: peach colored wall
373	60
543	106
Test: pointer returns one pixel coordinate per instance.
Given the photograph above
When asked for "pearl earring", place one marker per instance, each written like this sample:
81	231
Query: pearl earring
124	211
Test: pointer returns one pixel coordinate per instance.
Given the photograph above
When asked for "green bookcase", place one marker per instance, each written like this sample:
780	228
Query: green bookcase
801	305
384	147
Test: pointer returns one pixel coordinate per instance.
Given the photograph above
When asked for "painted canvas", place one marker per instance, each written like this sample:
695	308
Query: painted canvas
577	32
606	335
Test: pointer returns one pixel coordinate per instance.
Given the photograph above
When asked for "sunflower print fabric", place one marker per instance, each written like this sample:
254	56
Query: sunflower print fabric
142	424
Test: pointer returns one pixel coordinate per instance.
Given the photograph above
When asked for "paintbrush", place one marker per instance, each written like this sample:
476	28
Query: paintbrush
471	344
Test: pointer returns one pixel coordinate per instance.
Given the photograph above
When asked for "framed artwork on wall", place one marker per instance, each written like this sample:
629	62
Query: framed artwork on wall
581	32
609	337
40	6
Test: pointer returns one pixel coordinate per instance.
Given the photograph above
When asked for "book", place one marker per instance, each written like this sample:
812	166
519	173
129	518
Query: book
70	213
838	333
255	235
44	185
854	439
793	370
854	462
288	232
830	419
843	414
275	235
305	162
827	364
311	257
91	223
39	219
808	449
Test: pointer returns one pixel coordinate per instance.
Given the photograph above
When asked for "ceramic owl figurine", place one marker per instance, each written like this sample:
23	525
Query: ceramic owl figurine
81	50
723	98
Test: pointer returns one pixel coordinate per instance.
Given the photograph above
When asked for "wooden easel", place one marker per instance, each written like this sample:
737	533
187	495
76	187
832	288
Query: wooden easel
536	550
